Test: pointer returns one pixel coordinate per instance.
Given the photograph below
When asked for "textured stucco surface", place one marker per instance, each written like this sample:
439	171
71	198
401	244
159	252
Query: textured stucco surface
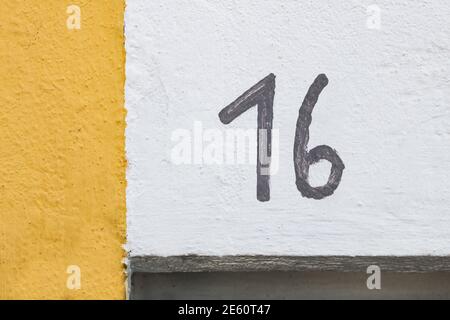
62	173
385	111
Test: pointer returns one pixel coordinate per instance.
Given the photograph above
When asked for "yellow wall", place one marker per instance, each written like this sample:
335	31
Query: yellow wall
62	172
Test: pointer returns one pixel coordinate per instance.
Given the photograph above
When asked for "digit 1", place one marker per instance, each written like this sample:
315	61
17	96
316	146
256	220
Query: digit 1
304	159
261	94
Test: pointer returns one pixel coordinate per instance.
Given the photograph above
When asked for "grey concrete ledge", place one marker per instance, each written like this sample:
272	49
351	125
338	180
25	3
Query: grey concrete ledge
419	264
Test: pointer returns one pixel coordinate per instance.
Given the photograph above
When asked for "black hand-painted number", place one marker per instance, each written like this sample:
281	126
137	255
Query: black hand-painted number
262	95
304	159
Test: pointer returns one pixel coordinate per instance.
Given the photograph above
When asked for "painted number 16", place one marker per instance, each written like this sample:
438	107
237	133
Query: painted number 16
262	95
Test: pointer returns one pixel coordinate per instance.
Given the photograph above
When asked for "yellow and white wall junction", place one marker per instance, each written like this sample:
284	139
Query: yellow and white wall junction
112	149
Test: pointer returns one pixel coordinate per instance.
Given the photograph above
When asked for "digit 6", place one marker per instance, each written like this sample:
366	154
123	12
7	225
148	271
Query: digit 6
304	159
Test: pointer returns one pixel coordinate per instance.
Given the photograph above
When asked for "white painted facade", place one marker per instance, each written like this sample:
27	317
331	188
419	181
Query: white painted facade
386	111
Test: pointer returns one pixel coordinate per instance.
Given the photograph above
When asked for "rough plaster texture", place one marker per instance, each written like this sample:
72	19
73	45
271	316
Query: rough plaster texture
385	111
62	173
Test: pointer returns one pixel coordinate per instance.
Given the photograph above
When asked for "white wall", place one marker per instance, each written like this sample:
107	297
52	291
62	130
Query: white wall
386	111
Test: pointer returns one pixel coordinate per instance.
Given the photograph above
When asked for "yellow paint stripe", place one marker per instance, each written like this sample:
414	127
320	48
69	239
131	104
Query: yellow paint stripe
62	173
